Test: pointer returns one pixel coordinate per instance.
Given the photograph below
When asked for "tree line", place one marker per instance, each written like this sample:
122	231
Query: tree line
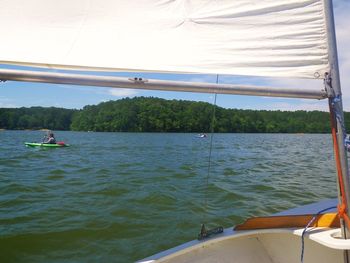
35	118
143	114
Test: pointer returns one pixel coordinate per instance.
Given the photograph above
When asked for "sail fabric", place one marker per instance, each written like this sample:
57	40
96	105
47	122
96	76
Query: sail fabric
284	38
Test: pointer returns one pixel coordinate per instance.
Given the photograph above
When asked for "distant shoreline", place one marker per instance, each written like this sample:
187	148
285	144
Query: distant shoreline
141	114
194	133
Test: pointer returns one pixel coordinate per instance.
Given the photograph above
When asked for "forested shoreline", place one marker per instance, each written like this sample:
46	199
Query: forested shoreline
143	114
36	118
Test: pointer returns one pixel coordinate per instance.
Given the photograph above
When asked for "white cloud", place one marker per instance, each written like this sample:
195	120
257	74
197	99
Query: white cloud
305	105
122	92
6	103
203	79
117	92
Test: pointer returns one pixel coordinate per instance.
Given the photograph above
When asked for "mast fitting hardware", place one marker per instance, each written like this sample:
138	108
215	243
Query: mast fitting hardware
328	85
138	80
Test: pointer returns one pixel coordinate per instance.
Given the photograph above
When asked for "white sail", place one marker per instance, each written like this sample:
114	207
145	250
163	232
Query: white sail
285	38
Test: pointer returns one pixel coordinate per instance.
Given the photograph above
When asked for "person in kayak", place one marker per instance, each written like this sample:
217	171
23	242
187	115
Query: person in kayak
50	138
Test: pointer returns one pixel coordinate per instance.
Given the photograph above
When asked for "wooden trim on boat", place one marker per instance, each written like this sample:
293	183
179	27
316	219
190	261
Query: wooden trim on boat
324	220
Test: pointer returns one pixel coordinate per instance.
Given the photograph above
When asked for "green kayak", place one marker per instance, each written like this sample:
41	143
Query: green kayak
51	145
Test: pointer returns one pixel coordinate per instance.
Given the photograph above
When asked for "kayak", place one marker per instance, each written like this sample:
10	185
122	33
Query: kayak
50	145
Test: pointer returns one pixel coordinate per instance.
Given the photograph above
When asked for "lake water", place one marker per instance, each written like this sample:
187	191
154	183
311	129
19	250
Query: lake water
119	197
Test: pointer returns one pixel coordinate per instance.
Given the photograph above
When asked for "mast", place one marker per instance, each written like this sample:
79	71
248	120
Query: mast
336	110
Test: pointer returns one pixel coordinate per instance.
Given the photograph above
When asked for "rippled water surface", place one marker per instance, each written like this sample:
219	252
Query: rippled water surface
119	197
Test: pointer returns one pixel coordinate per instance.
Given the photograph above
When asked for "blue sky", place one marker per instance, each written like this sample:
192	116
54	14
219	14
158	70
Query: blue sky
20	94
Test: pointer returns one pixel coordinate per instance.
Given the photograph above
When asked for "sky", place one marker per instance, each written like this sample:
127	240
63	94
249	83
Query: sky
21	94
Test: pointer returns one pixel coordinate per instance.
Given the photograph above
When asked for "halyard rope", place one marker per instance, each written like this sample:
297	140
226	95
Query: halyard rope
335	115
342	207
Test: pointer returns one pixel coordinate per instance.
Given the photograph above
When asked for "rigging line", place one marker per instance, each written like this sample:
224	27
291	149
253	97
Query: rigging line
210	148
205	233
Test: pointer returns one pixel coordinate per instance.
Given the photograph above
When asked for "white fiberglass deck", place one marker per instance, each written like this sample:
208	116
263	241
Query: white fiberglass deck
263	245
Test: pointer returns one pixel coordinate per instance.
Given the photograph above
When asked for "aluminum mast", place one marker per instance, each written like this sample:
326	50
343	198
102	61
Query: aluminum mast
336	108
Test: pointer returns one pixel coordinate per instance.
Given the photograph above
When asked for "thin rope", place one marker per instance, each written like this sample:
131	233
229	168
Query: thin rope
306	229
210	150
